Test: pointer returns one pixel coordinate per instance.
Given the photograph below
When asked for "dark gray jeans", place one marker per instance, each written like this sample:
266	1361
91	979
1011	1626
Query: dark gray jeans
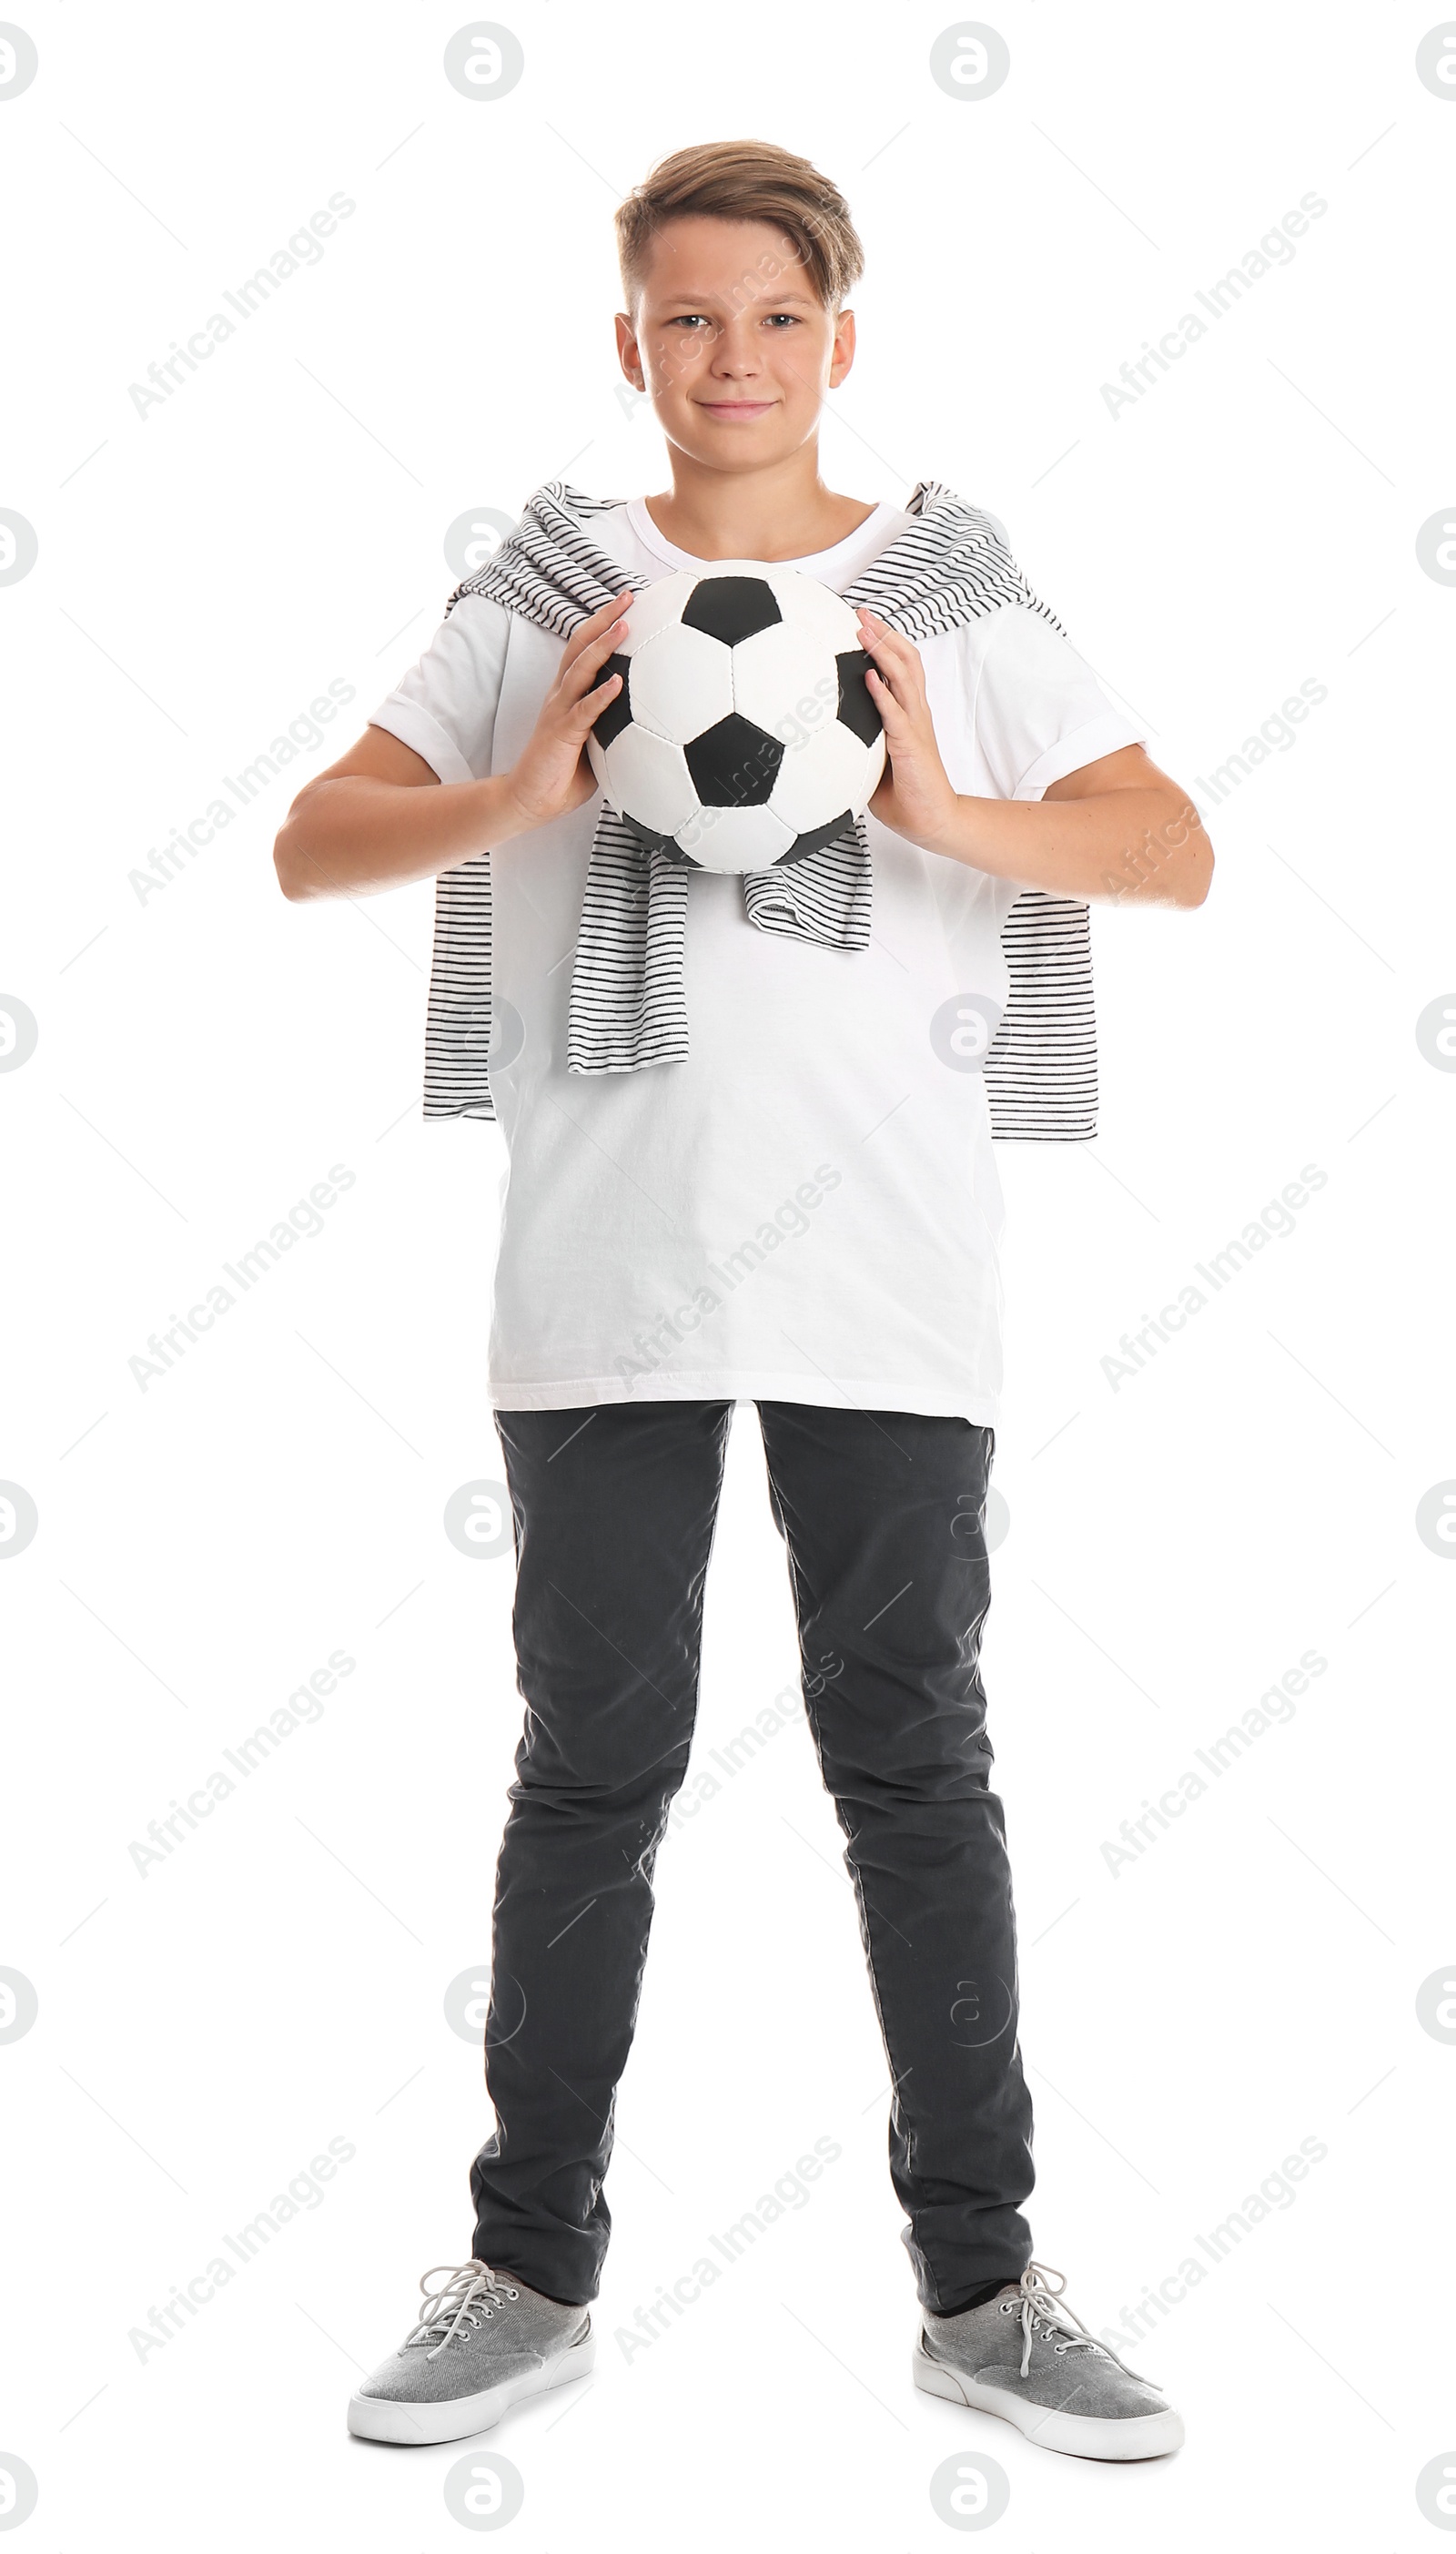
881	1513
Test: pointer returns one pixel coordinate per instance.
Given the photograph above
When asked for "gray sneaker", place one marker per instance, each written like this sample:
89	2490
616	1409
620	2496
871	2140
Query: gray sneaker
483	2341
1064	2389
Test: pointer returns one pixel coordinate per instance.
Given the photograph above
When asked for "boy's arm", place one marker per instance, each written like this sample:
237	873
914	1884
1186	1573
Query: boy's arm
1118	830
371	821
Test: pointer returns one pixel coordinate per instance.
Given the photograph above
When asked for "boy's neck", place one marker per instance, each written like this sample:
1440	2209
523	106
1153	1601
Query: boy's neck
783	511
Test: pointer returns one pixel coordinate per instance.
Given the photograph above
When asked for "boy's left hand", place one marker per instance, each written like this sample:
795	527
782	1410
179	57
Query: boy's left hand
914	796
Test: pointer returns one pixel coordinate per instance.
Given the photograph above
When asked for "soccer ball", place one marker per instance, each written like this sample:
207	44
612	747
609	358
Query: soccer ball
743	735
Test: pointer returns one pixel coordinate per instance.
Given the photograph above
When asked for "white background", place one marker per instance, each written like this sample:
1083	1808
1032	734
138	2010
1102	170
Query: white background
1175	1545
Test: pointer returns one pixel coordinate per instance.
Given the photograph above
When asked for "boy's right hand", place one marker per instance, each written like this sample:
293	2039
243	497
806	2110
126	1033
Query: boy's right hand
553	773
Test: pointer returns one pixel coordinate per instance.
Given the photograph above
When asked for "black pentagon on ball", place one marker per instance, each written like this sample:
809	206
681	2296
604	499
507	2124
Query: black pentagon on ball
857	710
732	608
735	763
617	714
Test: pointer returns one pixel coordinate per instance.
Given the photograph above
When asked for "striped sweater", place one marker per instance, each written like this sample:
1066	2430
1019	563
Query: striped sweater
627	1007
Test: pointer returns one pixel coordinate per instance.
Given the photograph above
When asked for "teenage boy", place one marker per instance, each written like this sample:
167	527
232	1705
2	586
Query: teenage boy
746	1074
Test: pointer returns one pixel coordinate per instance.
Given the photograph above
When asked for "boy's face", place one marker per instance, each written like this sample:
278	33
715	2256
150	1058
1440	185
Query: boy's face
731	343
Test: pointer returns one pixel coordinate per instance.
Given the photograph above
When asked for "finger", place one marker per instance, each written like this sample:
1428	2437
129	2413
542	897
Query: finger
597	625
589	708
879	639
897	685
875	633
580	666
891	708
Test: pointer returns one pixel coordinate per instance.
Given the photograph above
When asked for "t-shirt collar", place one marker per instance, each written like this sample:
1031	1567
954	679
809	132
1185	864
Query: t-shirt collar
821	563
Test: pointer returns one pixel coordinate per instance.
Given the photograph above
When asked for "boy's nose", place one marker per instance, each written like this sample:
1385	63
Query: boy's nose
735	361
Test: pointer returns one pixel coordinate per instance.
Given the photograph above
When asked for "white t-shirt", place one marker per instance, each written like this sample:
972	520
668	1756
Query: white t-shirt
806	1206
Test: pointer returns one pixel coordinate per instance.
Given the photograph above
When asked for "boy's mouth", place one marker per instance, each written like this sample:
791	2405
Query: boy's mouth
737	407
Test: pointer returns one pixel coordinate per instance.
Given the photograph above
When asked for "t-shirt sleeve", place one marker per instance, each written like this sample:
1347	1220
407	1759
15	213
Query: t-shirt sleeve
1040	709
445	706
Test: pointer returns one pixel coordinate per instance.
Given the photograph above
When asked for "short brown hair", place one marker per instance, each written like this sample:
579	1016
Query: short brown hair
745	181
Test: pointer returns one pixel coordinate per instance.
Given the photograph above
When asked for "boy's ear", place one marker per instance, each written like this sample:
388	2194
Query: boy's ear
626	349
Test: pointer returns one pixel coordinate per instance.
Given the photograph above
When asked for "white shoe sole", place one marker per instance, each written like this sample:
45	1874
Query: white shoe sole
428	2425
1069	2434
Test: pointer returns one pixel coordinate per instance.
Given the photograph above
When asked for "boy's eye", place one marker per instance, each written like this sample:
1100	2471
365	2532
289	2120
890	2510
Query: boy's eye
692	318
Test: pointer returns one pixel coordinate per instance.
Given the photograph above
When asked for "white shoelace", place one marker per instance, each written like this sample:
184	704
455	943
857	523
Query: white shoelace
471	2295
1043	2314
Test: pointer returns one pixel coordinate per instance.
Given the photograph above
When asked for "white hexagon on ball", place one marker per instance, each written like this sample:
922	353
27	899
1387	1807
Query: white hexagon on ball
681	684
657	607
831	769
736	839
648	779
783	676
815	609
